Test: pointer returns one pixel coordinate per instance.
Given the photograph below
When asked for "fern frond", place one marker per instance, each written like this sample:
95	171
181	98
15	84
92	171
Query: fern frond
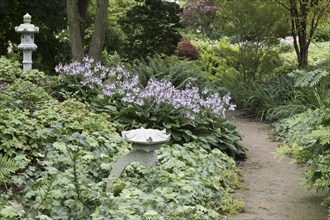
7	165
308	79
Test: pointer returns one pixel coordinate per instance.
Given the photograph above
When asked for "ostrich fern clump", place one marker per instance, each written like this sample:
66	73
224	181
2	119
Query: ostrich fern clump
308	79
7	165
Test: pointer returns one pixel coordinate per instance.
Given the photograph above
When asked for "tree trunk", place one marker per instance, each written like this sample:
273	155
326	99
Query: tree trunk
96	46
303	61
77	49
82	9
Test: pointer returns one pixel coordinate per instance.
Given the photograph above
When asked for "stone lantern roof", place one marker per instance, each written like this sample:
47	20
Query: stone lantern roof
27	27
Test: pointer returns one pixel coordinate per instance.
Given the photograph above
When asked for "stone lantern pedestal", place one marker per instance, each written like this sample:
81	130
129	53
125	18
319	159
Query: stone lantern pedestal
27	44
145	142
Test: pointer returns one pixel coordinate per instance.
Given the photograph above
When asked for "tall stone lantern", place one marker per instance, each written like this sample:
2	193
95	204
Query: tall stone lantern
27	44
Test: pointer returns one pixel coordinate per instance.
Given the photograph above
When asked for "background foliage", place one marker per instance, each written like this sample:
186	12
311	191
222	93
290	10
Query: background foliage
152	26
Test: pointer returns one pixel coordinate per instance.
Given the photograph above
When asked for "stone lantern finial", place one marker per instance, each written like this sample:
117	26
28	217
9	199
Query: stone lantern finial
27	18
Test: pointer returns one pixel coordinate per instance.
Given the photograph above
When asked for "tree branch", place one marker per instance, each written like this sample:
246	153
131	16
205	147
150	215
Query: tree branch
283	5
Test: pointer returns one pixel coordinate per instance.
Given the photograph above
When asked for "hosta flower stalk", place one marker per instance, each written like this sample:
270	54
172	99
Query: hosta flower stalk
119	81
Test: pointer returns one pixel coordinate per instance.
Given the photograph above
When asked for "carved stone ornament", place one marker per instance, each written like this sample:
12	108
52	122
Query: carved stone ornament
27	44
144	143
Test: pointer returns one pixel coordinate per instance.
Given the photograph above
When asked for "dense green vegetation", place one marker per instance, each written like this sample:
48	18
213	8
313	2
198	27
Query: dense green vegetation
60	125
61	152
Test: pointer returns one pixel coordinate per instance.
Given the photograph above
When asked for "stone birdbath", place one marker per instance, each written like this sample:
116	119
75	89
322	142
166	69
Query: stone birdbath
145	142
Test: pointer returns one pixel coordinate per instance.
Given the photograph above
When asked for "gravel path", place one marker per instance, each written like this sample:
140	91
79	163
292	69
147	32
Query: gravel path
273	189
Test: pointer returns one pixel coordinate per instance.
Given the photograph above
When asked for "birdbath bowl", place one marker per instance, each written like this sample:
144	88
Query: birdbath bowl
145	142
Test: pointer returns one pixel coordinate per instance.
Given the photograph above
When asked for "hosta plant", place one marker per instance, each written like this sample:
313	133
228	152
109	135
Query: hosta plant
189	114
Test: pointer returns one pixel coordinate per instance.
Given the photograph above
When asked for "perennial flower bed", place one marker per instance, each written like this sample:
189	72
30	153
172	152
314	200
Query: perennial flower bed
62	151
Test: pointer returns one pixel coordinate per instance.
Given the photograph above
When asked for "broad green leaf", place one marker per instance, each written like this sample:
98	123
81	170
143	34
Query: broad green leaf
61	146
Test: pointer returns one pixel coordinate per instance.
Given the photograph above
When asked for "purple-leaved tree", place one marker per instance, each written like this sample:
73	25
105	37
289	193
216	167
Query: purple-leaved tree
201	14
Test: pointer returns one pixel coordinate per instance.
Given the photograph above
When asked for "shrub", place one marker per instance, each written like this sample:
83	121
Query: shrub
27	95
217	56
145	21
254	61
187	50
34	76
322	33
178	72
280	97
8	70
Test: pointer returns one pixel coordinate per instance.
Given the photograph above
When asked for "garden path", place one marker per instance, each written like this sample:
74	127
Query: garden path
272	186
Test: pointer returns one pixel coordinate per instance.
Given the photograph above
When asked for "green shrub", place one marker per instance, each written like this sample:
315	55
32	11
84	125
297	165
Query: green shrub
271	100
217	56
178	72
8	70
306	137
18	132
23	133
254	61
35	76
146	20
322	33
280	97
27	95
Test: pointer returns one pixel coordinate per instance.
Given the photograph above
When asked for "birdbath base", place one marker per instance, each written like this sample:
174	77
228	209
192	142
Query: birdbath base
146	158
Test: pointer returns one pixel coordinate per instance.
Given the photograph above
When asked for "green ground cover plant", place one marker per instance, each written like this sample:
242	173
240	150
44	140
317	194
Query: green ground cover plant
8	70
306	139
61	152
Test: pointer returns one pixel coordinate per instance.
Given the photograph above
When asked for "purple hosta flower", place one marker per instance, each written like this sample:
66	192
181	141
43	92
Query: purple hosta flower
226	99
218	105
90	73
161	91
58	68
109	89
119	81
205	91
191	99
